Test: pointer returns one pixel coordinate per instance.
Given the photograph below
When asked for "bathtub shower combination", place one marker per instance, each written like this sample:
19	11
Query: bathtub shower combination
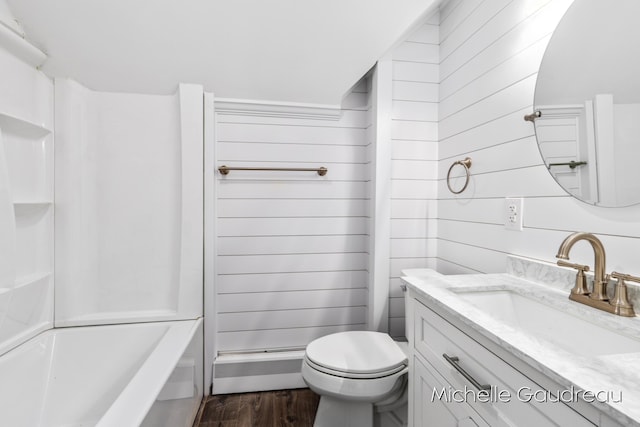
146	374
109	332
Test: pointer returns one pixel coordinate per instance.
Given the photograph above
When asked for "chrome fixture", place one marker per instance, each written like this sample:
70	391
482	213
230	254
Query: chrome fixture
533	116
597	298
572	164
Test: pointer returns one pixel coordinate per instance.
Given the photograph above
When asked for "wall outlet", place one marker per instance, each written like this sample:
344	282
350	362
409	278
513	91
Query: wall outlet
513	213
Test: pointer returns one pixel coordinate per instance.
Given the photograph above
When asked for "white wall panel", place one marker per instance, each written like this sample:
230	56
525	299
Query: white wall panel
348	118
286	153
409	130
522	153
250	245
314	280
396	307
415	72
497	130
261	264
475	41
296	208
414	169
537	26
418	51
291	300
486	88
294	134
412	247
410	110
413	189
415	91
424	150
292	247
413	209
619	222
517	68
526	182
427	33
460	258
277	338
395	290
303	188
396	326
414	173
508	100
291	226
473	23
299	318
413	228
453	14
399	264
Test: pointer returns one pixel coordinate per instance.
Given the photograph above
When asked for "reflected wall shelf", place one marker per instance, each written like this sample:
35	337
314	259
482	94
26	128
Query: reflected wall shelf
31	278
17	125
27	208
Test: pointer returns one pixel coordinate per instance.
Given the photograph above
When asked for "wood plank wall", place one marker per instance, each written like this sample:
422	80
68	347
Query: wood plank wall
292	246
490	52
414	134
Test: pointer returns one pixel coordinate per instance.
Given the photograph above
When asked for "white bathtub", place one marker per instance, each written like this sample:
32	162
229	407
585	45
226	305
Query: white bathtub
147	374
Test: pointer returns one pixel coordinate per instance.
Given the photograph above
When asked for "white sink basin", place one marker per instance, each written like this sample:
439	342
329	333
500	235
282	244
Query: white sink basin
550	324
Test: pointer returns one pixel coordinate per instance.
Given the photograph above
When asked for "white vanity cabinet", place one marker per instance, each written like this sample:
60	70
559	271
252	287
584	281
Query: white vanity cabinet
428	411
443	395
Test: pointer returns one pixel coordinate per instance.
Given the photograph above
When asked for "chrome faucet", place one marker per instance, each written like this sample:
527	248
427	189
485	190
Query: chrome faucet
597	298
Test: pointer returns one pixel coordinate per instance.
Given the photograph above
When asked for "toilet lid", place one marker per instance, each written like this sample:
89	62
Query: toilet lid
357	352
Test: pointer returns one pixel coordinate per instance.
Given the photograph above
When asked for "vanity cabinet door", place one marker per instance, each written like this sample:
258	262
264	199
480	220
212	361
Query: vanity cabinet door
429	411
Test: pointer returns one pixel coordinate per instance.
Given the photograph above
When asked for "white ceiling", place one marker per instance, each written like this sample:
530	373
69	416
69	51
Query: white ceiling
307	51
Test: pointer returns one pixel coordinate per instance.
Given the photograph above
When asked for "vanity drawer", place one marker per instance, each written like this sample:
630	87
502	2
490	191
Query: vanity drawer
514	400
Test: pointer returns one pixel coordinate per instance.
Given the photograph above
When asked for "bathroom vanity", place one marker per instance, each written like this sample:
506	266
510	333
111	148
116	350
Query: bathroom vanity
505	350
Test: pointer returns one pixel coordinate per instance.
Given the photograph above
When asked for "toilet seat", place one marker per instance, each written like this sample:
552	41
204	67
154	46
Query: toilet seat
352	375
357	355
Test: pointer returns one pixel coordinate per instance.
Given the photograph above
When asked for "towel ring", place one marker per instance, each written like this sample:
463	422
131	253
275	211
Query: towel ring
466	164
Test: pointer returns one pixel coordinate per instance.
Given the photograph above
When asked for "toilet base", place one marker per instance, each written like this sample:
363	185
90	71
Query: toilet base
341	413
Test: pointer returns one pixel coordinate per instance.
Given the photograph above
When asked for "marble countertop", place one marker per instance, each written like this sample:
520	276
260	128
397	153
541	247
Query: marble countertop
615	374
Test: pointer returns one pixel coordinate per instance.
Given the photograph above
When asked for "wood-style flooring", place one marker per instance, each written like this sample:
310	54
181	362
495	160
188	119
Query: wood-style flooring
282	408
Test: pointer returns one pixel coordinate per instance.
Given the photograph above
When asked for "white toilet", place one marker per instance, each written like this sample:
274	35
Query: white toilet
357	374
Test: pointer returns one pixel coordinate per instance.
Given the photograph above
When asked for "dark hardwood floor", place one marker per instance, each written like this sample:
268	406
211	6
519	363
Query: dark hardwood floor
282	408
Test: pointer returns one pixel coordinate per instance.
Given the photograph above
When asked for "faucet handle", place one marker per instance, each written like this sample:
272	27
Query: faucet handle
579	267
580	287
620	300
623	276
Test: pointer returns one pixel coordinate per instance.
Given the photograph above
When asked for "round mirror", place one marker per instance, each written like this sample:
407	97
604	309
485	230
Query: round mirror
587	100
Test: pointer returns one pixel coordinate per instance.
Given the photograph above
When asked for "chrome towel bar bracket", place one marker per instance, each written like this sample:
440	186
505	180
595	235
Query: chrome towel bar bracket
572	164
533	116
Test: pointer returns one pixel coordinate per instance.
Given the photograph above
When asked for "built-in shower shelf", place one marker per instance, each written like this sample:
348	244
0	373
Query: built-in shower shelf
17	125
31	278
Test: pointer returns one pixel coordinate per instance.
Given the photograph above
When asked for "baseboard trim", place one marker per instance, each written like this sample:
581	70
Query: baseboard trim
252	372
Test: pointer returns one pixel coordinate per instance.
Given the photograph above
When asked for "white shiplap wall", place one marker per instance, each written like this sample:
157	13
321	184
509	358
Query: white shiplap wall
414	135
291	246
490	53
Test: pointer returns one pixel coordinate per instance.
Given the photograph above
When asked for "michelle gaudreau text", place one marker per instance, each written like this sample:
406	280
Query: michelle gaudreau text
523	394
